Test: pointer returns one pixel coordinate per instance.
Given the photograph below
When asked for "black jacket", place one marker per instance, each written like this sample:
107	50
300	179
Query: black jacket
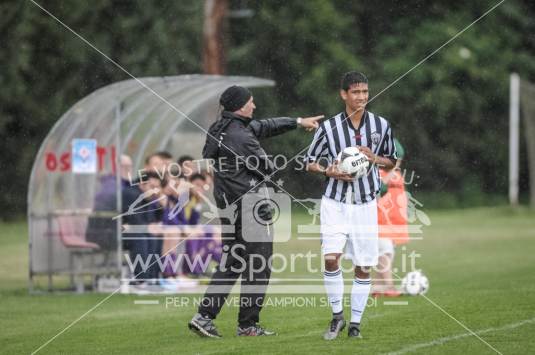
234	135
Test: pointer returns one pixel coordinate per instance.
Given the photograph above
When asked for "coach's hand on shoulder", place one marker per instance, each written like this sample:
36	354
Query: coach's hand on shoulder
335	173
309	123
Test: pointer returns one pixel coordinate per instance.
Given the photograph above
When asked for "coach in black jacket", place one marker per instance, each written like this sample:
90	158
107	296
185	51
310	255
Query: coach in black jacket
240	163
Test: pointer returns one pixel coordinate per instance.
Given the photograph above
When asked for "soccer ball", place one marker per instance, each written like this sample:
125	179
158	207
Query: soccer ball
415	283
352	161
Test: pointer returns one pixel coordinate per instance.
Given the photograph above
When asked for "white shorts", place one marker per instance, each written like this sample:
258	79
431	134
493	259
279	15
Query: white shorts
386	246
350	227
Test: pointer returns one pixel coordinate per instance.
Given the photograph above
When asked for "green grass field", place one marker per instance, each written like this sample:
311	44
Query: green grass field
480	263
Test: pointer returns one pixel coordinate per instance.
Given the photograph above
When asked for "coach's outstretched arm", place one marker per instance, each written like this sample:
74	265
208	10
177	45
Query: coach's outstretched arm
270	127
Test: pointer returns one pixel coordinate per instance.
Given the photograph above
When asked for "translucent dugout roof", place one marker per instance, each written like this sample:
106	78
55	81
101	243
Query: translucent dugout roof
135	119
132	117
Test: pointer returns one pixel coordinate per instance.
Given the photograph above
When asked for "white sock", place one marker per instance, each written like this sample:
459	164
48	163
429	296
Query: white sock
359	297
334	285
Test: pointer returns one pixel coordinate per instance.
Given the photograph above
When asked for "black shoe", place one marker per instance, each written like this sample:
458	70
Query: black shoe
354	330
335	327
254	331
203	326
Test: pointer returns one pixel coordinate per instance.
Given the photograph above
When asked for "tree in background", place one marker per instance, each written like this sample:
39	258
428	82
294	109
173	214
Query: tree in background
213	57
46	69
450	112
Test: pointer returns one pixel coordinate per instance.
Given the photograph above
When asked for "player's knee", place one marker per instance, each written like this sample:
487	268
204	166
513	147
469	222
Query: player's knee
362	272
331	263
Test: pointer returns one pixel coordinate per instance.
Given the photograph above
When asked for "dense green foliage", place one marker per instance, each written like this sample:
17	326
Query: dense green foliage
450	112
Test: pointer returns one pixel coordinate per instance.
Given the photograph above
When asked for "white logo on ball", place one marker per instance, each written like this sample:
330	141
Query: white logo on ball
352	161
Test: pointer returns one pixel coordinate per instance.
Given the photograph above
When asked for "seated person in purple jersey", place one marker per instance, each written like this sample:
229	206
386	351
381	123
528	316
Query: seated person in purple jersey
202	246
177	192
190	241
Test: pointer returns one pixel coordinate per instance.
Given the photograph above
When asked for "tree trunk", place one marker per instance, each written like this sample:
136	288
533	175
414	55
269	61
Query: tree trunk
213	50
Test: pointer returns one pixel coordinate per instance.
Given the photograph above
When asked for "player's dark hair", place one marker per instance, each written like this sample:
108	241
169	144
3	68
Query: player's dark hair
161	154
352	77
148	158
164	155
146	176
197	176
184	158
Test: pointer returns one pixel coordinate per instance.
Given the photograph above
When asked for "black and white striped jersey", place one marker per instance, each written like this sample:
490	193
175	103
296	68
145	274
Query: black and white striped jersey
337	133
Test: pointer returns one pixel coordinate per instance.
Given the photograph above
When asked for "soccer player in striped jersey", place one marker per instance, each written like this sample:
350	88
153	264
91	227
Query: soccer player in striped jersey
348	206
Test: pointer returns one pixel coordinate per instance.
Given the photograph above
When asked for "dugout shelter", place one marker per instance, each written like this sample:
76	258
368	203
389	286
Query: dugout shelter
75	186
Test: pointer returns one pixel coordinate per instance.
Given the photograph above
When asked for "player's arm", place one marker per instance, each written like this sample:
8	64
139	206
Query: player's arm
270	127
384	162
330	171
316	168
386	156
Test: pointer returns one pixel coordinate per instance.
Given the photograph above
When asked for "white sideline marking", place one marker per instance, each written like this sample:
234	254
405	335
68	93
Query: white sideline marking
443	340
396	303
146	302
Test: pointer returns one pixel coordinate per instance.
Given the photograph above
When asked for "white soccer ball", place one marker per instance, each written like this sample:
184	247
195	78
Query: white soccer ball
415	283
352	161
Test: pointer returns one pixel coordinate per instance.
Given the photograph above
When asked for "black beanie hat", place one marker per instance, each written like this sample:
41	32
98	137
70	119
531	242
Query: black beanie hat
234	98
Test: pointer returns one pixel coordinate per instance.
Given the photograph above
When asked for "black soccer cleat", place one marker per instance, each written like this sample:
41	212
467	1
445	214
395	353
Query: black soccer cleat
354	330
335	327
254	331
203	326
